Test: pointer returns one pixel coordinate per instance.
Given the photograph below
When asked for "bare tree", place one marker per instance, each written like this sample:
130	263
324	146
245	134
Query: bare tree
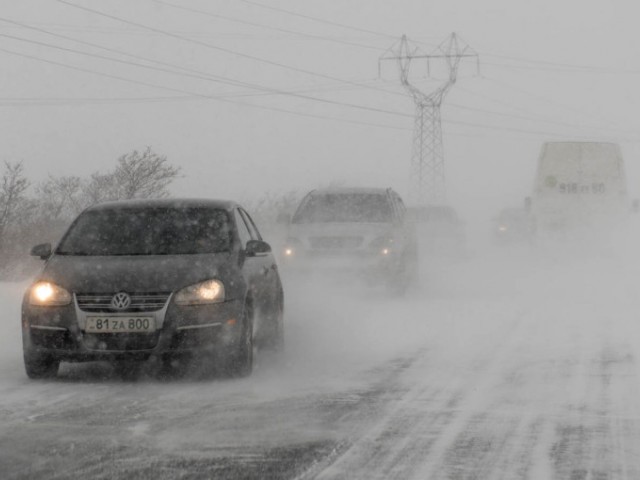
60	197
101	187
144	175
12	190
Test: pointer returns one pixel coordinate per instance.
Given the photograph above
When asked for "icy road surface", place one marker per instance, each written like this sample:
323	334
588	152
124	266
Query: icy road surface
506	365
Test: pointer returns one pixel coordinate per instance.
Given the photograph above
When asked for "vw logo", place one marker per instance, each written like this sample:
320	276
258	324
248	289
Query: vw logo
121	301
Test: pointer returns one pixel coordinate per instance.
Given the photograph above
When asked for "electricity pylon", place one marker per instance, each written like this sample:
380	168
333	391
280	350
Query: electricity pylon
427	157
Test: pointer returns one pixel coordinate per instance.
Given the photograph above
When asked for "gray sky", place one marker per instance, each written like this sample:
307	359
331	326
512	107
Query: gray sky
550	70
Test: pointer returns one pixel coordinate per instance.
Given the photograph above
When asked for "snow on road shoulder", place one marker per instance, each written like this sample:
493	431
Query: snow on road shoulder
11	334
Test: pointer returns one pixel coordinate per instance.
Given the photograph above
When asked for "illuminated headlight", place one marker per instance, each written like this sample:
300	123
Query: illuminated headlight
292	247
209	291
48	294
383	245
502	228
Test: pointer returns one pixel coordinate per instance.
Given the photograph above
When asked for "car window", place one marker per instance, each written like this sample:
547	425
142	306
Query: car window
148	231
399	206
344	207
253	230
243	231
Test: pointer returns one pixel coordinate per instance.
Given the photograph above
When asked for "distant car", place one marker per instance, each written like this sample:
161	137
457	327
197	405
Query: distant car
512	225
356	230
440	230
163	278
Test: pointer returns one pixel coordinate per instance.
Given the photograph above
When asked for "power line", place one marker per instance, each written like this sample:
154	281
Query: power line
532	118
154	61
200	95
528	132
544	98
72	101
211	46
125	62
121	52
218	80
319	20
561	66
262	25
567	69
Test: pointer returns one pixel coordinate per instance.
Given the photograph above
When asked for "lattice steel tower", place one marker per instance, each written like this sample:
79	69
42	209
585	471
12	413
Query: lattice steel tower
427	157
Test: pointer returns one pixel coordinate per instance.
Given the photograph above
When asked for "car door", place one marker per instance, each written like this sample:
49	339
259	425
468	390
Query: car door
256	268
273	286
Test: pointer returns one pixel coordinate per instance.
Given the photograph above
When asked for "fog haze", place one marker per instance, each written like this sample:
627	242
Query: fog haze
547	71
510	357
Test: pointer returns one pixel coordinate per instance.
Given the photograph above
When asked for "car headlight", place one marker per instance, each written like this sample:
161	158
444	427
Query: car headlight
48	294
292	247
209	291
383	245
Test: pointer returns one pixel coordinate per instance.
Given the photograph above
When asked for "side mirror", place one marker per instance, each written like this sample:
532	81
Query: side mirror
256	248
43	251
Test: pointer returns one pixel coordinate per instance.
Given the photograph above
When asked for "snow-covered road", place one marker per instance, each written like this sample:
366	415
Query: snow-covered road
510	364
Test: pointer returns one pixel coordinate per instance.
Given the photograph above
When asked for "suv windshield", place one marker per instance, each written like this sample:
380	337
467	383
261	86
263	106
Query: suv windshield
148	231
343	208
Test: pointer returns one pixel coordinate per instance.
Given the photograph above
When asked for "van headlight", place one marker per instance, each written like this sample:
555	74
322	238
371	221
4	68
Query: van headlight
209	291
47	294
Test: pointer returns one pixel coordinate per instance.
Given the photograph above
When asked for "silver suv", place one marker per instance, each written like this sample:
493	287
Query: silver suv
360	230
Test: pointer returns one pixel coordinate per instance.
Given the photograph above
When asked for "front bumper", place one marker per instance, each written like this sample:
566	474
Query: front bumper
361	264
180	330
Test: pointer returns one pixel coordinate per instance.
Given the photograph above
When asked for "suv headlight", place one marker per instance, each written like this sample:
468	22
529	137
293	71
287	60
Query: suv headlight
209	291
48	294
292	247
383	245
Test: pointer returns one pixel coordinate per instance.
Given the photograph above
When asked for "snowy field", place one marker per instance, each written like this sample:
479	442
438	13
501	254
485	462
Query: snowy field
512	363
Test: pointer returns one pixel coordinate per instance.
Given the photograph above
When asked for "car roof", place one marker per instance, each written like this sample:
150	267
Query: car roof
165	203
350	191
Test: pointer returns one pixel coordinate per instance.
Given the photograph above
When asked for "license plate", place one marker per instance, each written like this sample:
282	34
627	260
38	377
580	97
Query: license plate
120	324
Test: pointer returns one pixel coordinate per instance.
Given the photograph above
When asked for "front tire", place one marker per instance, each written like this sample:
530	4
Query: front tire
40	366
241	362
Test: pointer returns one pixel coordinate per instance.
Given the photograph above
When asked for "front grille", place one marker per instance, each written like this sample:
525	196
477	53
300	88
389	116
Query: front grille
140	302
335	243
120	341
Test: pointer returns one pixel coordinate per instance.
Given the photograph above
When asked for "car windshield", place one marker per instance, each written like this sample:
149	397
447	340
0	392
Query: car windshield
343	208
148	231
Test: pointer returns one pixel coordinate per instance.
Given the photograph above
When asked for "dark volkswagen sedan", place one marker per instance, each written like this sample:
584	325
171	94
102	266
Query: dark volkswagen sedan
163	278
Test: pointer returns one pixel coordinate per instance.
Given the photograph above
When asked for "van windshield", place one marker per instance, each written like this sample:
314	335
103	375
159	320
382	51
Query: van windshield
148	231
343	208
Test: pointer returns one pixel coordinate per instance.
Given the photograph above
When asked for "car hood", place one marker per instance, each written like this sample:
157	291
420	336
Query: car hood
148	273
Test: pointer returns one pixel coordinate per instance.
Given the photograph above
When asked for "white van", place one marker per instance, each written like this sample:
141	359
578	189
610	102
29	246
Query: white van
579	185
